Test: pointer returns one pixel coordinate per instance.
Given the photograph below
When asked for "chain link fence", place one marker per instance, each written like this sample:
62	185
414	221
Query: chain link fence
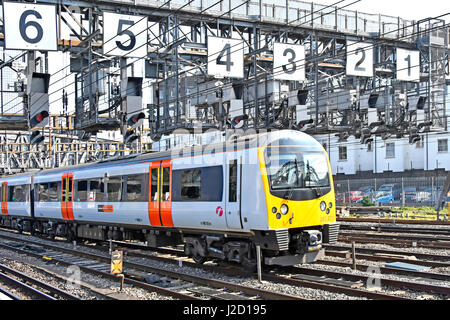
403	191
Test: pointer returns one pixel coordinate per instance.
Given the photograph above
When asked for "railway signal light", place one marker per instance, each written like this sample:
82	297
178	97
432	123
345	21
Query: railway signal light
38	119
135	120
238	122
36	137
414	139
130	136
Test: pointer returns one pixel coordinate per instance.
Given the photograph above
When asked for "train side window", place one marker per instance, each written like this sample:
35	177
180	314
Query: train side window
19	194
154	185
11	193
114	189
53	195
43	192
232	187
96	191
134	188
166	184
82	190
191	183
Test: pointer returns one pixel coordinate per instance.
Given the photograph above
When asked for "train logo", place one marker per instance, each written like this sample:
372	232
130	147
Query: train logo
219	211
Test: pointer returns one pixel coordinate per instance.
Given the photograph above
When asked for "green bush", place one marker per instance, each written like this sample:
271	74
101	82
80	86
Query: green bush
366	202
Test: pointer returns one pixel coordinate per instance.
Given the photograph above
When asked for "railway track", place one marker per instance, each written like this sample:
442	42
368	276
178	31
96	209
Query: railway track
395	229
349	284
190	287
395	221
391	240
31	287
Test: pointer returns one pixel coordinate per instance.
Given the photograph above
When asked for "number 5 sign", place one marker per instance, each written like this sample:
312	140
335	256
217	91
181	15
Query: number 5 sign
30	26
124	35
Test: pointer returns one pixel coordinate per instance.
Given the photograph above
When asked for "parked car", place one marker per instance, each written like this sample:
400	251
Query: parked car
410	194
384	197
394	188
355	196
368	190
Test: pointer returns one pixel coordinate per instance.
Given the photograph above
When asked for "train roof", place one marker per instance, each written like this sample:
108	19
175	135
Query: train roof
282	137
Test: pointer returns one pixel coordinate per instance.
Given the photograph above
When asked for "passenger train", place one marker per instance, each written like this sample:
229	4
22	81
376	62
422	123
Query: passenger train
273	190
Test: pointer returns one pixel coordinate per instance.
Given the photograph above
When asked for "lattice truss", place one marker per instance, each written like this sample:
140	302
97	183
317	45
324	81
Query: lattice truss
320	69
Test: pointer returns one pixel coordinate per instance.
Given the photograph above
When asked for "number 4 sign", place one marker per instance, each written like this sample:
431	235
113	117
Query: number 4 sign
225	57
30	26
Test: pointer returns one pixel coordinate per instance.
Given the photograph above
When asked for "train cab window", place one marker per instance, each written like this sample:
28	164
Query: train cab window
82	190
154	185
53	194
96	191
134	188
191	182
166	184
232	187
114	189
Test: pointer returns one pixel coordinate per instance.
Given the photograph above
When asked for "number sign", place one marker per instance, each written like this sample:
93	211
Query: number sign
408	65
359	59
124	35
289	62
30	26
225	57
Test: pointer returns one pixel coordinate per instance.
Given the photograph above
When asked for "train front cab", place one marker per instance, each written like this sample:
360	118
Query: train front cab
300	201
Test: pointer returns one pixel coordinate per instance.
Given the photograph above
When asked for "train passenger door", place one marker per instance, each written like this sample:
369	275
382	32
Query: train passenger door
67	196
233	201
160	194
4	198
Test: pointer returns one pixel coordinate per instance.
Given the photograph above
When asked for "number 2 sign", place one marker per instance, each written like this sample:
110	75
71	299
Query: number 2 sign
124	35
359	59
30	26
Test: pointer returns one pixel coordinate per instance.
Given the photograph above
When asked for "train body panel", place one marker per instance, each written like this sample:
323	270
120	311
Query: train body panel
274	190
15	196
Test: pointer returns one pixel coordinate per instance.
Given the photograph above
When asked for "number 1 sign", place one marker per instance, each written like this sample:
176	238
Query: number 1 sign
30	26
408	65
124	35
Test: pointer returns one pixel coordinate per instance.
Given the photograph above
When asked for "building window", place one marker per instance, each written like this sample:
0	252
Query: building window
443	145
342	153
390	150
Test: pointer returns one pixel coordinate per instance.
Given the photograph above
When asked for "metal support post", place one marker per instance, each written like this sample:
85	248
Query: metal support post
354	255
258	262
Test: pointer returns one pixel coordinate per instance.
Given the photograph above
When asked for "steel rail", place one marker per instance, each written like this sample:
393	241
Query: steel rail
394	221
195	279
52	289
23	286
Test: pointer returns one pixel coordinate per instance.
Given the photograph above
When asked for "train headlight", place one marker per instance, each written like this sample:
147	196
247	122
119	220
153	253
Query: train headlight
323	206
331	205
274	210
284	209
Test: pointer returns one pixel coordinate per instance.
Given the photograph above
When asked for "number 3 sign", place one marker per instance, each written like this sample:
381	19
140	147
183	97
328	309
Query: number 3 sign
289	62
29	26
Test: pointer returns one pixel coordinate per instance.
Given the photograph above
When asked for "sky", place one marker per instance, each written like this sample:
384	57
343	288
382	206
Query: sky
407	9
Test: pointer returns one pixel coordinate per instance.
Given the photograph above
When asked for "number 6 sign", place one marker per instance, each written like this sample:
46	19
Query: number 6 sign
30	26
124	35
